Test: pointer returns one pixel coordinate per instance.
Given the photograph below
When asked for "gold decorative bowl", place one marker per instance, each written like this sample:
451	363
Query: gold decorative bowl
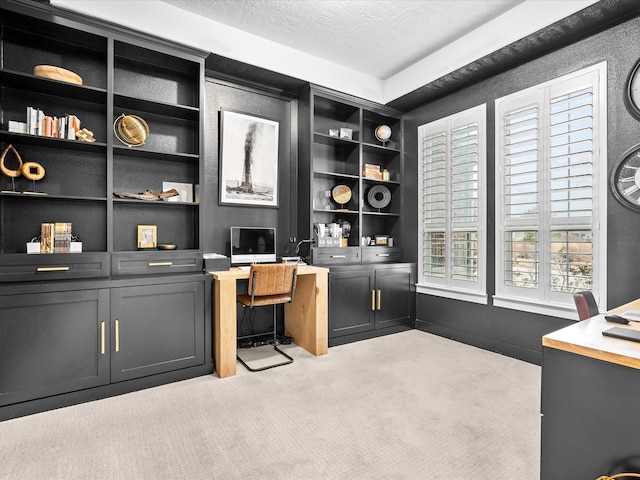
57	73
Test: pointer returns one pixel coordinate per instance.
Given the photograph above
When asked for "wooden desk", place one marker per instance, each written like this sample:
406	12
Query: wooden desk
590	393
585	338
305	318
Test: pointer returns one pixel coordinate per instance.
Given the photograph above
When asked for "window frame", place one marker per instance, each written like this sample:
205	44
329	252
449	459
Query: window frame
543	299
447	286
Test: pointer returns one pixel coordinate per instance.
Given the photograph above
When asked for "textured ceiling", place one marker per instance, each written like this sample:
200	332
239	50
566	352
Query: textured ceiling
376	37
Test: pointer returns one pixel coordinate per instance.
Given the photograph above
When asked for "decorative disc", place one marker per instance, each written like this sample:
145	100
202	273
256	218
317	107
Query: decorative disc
341	194
379	196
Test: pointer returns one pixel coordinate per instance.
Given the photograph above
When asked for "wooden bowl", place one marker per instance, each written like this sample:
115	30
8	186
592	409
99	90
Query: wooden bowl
57	73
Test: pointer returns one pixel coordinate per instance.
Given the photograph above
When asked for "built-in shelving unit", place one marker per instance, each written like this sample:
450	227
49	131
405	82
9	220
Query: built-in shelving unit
328	160
371	291
79	326
121	75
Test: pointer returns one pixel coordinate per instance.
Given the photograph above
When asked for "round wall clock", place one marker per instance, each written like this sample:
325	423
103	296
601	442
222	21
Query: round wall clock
632	94
624	180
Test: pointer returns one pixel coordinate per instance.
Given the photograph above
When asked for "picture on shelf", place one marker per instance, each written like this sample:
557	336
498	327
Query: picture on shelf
185	191
248	160
346	133
147	236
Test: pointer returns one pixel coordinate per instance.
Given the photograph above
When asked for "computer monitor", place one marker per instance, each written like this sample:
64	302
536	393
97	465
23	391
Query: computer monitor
253	245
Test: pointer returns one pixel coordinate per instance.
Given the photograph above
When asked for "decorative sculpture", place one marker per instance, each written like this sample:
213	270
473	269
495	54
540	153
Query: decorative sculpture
131	130
383	133
30	170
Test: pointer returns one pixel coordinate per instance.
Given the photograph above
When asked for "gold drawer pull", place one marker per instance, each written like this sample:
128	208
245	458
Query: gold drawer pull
379	299
338	256
373	299
117	335
160	264
382	254
52	269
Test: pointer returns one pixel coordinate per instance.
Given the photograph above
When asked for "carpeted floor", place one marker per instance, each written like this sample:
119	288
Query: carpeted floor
406	406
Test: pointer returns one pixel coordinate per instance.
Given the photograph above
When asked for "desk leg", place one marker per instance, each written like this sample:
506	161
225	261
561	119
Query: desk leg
306	317
224	327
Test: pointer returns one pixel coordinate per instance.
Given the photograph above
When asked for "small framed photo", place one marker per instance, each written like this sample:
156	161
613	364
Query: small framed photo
147	236
346	133
382	239
185	191
334	132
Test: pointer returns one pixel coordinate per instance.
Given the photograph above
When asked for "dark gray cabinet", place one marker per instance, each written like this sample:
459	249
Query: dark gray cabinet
156	328
351	301
71	342
394	295
52	343
370	298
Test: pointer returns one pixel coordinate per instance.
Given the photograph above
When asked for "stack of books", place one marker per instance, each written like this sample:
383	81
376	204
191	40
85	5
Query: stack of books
55	238
47	126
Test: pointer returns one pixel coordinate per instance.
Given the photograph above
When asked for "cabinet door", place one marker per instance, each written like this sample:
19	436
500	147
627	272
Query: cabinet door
52	343
394	290
350	302
156	329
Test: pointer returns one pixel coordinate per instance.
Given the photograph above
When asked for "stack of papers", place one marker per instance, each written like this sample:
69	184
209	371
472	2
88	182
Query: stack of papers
631	315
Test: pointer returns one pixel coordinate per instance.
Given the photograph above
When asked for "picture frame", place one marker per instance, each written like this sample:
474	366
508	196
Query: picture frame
346	133
248	159
185	190
381	240
147	236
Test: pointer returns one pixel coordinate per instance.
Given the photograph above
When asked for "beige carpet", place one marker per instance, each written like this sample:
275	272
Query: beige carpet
406	406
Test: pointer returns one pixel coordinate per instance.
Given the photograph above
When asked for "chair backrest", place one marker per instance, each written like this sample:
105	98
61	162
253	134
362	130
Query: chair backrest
273	279
586	305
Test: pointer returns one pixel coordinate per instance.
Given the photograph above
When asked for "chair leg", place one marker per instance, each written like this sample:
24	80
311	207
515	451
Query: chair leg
275	347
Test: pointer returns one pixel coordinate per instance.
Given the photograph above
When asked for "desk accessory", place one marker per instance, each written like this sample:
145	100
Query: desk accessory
623	333
616	319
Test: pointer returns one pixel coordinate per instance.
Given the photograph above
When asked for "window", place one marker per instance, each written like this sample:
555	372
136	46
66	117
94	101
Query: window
551	194
452	186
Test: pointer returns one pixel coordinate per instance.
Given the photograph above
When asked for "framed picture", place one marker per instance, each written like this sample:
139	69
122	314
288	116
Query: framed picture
147	236
346	133
248	160
185	191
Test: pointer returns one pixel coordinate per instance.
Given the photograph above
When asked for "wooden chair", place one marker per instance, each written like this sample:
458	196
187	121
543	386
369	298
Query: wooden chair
586	305
269	285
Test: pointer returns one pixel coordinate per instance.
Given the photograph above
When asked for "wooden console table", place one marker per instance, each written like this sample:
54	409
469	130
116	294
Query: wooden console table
305	318
590	391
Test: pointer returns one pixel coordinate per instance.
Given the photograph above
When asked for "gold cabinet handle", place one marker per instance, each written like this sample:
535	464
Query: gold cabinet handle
102	338
379	299
160	264
117	335
373	299
52	269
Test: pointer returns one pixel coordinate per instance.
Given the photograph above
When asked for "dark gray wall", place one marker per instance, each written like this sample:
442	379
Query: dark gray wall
219	218
508	331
